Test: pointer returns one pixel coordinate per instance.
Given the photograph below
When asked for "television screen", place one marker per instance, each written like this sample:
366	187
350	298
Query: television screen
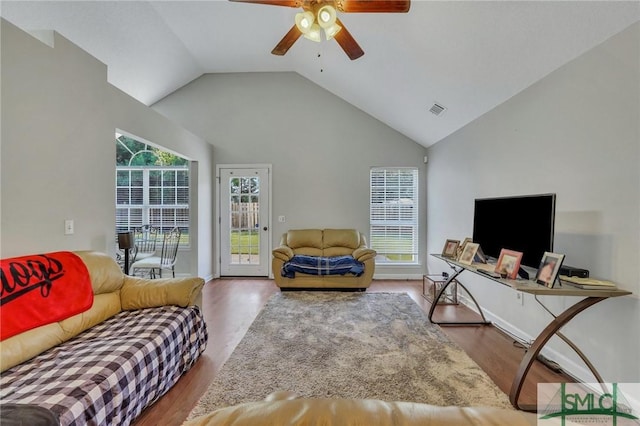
523	223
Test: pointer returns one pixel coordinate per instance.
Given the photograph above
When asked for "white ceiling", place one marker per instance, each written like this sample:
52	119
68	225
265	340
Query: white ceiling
469	56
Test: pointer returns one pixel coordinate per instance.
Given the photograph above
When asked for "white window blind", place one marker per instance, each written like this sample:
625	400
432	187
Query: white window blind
393	214
157	196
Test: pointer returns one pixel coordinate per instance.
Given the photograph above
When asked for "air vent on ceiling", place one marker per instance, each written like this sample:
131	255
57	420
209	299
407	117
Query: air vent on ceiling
437	109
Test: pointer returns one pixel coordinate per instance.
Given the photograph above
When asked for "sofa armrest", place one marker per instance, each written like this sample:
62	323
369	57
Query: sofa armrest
362	253
284	253
140	293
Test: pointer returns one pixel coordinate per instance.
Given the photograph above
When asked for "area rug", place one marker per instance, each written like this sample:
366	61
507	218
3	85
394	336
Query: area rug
349	345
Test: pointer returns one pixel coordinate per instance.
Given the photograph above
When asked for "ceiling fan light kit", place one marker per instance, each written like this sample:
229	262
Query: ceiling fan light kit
326	20
331	31
318	15
314	33
304	21
326	16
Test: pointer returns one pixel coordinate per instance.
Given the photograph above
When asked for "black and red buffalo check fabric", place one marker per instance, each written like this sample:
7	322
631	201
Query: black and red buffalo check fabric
111	372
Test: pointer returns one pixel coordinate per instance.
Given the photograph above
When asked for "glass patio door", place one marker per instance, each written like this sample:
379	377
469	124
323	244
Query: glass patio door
244	227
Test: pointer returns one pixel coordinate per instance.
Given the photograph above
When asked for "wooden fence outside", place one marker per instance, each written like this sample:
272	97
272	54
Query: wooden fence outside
245	215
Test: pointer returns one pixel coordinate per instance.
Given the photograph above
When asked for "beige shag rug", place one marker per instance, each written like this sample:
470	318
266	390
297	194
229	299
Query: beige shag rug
349	345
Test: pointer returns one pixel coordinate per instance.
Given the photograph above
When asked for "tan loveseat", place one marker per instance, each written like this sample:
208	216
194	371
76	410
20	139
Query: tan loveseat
325	243
288	411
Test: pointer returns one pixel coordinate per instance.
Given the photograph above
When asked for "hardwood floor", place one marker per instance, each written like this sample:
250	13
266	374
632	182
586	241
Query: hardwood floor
231	305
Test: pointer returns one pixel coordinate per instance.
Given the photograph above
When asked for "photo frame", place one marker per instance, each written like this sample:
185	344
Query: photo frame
549	268
450	249
463	245
480	257
469	252
508	263
465	242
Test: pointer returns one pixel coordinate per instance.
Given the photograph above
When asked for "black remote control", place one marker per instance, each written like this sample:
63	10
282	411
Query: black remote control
489	273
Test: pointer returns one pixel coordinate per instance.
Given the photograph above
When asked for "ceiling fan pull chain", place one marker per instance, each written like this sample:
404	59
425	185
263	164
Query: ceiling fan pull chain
320	58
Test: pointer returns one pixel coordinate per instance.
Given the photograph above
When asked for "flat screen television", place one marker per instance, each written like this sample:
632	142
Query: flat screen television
521	223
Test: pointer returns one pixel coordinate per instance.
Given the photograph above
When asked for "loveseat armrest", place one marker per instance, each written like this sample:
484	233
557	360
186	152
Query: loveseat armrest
284	253
362	253
140	293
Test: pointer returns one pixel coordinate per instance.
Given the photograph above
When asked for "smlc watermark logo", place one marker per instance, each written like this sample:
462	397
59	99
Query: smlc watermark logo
616	404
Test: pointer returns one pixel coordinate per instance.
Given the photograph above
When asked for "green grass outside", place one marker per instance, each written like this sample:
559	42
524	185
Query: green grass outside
398	243
249	242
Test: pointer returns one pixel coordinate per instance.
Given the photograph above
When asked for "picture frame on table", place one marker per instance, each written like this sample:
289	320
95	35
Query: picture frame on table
463	245
469	252
549	268
450	249
480	257
508	263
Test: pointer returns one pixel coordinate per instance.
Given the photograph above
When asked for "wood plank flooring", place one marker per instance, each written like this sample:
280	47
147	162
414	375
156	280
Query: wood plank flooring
231	305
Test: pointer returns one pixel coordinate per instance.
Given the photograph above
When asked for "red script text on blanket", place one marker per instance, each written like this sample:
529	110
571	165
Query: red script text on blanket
40	289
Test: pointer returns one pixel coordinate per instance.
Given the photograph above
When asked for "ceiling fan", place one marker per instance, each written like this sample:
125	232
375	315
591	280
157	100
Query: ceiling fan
319	15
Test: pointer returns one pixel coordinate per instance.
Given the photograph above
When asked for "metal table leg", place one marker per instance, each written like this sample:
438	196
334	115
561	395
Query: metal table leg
532	354
442	291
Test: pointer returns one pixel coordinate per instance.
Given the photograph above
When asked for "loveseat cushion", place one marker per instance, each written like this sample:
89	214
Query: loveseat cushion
349	238
305	241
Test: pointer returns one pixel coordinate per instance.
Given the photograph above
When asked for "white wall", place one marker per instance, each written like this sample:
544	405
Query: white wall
321	148
59	117
575	133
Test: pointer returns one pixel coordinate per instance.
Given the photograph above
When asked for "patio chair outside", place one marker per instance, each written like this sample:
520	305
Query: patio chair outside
167	258
146	239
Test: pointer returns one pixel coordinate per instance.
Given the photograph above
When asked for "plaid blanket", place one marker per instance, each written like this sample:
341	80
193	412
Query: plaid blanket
111	372
319	265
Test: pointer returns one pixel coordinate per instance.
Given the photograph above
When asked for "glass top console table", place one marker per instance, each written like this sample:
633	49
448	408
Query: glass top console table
589	298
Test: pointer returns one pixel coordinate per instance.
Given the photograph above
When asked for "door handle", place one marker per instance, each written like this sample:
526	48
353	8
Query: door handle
265	228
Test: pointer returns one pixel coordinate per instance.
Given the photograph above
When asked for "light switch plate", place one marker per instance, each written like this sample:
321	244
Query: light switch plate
68	227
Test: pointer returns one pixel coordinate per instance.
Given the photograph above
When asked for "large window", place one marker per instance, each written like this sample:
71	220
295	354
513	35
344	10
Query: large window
152	188
393	214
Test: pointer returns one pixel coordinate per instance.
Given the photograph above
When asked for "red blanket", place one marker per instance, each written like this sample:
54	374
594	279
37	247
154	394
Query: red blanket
40	289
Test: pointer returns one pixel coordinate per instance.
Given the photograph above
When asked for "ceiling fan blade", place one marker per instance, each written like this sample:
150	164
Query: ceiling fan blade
287	3
348	43
373	6
287	41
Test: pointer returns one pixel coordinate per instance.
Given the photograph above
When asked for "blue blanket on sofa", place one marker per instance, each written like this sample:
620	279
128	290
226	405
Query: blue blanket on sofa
318	265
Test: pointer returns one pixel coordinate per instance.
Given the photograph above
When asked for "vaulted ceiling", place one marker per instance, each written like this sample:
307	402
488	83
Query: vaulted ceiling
468	56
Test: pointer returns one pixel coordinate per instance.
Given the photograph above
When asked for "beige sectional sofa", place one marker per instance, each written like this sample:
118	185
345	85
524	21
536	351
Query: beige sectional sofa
323	243
106	364
285	410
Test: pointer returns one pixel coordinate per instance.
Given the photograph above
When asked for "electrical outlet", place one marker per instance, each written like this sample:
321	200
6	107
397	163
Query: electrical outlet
520	297
281	219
